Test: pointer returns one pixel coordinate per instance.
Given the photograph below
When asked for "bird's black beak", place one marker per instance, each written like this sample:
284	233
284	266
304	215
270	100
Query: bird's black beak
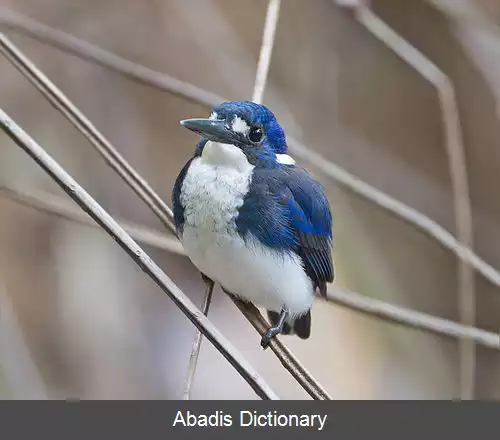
215	130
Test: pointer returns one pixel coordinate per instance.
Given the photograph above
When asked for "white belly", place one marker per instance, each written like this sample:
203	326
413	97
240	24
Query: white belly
211	196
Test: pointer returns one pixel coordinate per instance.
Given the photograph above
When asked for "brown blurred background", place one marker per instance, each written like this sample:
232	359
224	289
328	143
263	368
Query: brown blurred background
79	320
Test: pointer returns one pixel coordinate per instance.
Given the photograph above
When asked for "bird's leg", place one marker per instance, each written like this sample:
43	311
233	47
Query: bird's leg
273	331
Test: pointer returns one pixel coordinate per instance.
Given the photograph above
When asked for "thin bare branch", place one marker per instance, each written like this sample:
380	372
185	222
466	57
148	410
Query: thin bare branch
195	351
266	49
65	42
97	140
458	172
100	216
411	318
56	205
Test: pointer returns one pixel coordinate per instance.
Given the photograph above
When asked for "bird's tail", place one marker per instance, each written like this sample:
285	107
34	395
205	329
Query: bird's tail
301	326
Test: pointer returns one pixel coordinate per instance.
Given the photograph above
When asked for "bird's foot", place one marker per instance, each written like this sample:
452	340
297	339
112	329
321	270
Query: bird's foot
273	331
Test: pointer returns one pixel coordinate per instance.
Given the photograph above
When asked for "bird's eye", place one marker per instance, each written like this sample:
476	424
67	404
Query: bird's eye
255	134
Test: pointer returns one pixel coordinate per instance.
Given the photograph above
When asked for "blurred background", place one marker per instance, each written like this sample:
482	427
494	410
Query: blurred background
78	319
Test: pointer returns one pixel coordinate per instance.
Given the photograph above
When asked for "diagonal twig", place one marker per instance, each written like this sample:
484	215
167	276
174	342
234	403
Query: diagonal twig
100	216
98	141
287	359
412	318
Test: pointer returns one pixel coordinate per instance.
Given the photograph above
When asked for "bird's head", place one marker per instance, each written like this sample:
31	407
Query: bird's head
250	127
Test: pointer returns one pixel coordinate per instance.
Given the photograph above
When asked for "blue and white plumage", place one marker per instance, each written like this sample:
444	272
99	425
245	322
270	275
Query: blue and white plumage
252	220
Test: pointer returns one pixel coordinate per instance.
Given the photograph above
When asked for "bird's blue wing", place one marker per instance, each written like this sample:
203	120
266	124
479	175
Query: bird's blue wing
311	220
287	209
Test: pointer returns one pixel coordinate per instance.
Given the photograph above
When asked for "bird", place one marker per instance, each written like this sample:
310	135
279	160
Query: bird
251	219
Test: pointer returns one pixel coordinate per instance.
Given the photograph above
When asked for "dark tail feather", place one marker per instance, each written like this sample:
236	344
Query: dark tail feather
274	319
301	326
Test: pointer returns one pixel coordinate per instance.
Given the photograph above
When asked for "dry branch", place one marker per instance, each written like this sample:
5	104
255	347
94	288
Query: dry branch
288	360
412	318
97	140
63	41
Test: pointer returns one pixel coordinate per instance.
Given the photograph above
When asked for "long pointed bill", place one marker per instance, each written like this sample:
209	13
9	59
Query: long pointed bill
212	129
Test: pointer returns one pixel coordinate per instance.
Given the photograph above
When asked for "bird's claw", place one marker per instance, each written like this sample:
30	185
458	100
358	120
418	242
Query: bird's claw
273	331
266	338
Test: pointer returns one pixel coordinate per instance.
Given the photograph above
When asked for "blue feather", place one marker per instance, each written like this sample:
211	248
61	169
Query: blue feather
287	210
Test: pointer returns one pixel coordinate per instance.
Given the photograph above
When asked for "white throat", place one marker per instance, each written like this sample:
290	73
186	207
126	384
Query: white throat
225	155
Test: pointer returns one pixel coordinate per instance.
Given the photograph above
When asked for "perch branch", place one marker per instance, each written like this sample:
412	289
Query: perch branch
287	359
266	49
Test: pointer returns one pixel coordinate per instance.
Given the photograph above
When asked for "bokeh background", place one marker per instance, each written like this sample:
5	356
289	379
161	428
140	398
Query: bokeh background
79	320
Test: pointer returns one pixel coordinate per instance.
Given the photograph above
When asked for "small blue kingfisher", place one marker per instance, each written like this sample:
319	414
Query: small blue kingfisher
252	220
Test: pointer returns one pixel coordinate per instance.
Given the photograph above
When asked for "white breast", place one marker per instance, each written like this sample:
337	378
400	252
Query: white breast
212	192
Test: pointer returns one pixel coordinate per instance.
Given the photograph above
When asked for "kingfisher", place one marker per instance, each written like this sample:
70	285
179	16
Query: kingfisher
251	219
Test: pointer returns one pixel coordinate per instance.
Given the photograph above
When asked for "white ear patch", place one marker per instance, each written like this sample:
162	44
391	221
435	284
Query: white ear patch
213	116
238	125
285	159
